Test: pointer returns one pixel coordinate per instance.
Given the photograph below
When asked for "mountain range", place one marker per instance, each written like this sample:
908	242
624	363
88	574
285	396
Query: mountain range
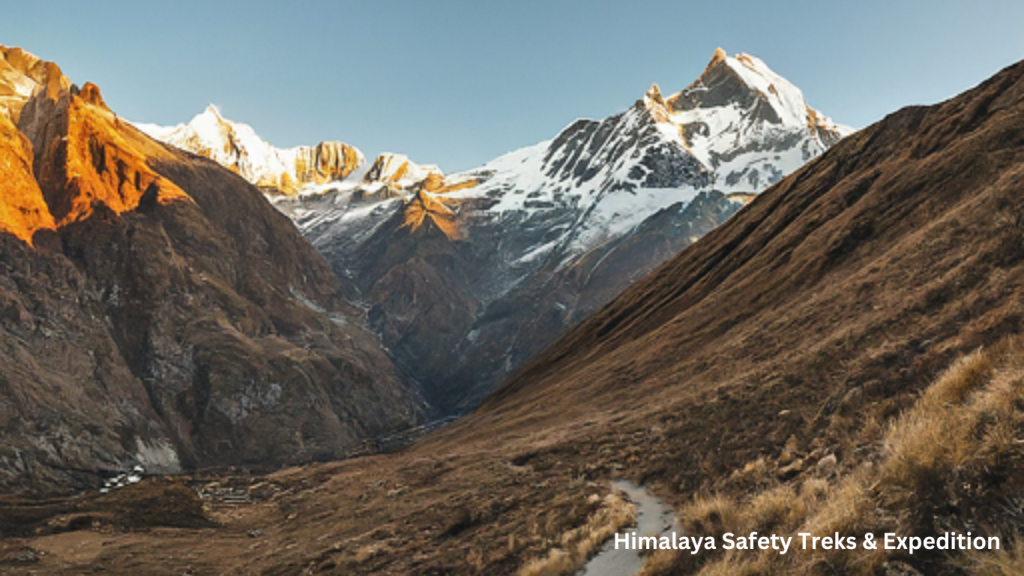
159	312
468	275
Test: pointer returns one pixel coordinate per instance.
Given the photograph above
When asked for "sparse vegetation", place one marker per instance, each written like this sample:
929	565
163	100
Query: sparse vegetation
1002	563
579	544
709	515
951	462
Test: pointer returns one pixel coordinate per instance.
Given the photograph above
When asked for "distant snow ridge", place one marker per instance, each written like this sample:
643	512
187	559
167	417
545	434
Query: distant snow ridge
238	147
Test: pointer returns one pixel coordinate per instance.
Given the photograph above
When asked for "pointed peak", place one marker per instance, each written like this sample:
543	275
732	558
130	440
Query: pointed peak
212	110
718	57
91	94
210	118
654	94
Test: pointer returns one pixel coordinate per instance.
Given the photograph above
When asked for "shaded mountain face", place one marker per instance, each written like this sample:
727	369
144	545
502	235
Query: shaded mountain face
156	310
468	275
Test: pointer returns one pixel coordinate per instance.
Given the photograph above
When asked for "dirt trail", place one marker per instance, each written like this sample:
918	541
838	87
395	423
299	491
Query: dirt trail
653	518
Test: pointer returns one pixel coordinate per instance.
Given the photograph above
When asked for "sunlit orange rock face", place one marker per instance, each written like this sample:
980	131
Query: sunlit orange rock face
425	209
320	164
22	208
429	207
398	173
86	155
325	162
438	184
64	151
23	74
156	309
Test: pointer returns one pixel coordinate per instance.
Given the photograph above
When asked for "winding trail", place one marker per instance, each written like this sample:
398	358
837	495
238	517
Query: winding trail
653	518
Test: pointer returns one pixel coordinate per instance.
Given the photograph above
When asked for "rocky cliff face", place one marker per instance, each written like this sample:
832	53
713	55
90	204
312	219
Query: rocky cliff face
156	310
23	210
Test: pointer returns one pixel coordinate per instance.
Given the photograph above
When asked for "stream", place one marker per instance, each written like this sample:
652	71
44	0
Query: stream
653	518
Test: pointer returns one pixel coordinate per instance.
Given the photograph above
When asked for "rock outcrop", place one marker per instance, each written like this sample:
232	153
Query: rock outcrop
23	211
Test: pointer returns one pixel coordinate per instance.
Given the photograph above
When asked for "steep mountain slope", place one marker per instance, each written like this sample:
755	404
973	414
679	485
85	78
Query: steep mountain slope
156	310
765	366
534	241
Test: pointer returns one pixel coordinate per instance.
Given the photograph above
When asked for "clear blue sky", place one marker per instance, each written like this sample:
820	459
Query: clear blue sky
459	82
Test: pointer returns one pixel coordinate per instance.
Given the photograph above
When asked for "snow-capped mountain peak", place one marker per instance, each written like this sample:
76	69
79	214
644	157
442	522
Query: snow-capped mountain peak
737	128
749	124
725	75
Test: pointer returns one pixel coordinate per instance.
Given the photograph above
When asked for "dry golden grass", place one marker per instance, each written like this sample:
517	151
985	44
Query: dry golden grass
658	562
814	489
557	562
961	379
709	515
1007	562
962	428
961	425
579	544
775	508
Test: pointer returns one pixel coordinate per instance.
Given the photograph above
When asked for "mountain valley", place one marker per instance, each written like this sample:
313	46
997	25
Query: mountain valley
836	350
